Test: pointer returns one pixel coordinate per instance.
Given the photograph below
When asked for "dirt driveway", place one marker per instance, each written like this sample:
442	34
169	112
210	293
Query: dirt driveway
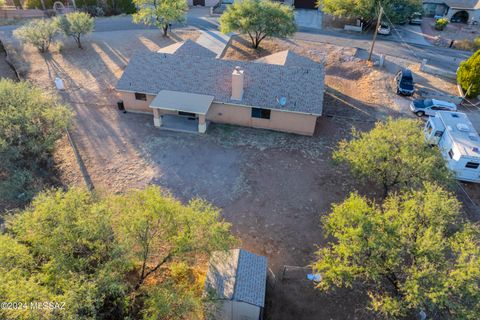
272	187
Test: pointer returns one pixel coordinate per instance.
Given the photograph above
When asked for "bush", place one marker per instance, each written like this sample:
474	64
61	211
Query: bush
30	123
37	4
441	23
38	33
468	45
75	25
468	75
259	19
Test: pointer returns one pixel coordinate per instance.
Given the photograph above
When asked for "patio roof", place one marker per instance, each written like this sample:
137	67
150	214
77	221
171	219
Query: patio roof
182	101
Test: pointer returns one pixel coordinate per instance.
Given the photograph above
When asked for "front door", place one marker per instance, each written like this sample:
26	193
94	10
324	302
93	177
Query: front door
199	2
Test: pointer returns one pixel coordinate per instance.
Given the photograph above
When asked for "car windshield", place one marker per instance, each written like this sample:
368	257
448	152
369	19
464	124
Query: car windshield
407	81
428	102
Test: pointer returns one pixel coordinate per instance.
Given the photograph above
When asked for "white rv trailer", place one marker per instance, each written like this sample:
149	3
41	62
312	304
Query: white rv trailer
458	141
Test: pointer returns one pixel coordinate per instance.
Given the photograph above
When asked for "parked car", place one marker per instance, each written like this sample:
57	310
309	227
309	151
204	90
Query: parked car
404	80
416	18
384	29
429	107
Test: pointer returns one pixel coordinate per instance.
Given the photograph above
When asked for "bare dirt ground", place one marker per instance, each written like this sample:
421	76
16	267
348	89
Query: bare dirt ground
273	187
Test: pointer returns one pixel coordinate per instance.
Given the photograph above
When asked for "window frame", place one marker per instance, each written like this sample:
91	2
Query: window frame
472	165
261	113
140	96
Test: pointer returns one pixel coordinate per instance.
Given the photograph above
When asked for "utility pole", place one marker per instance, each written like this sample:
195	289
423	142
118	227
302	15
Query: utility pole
375	34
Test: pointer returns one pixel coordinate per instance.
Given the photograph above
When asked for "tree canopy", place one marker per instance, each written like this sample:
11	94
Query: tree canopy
393	154
160	13
31	121
412	253
109	256
396	10
38	33
259	19
468	75
75	25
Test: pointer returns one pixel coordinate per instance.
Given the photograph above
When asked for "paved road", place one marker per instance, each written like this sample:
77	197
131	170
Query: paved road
443	58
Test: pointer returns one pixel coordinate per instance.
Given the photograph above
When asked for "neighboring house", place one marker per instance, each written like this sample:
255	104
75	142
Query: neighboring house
237	278
186	87
204	3
465	11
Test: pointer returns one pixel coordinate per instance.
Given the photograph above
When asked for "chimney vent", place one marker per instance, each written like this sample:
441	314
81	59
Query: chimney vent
237	83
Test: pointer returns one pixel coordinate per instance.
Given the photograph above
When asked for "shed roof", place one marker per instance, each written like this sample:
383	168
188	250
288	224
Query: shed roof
182	101
238	275
188	48
288	58
150	72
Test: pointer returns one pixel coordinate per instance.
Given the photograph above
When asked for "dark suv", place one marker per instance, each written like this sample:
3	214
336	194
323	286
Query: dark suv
404	80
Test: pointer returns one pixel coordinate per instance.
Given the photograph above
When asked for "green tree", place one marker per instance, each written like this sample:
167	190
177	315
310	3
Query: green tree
31	121
75	25
393	154
38	33
160	13
109	256
259	19
468	75
412	253
396	10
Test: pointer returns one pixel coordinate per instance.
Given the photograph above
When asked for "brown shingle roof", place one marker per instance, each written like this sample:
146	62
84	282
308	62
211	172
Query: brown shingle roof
302	86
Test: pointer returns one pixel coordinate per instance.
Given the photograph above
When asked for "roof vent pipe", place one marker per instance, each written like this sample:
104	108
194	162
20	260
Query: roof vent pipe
237	83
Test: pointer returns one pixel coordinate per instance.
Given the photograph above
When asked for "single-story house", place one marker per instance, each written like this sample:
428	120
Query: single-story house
186	87
237	280
465	11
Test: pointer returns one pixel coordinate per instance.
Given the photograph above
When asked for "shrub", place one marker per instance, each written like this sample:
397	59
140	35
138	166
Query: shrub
38	33
75	25
259	19
30	123
468	45
441	23
468	75
37	4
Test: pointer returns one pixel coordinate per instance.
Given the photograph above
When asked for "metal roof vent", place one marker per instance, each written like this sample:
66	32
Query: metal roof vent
473	136
475	149
282	101
463	127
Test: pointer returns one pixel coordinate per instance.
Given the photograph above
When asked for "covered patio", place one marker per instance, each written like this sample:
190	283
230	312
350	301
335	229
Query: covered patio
181	111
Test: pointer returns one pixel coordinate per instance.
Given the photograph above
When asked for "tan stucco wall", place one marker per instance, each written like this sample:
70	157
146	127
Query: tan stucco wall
279	120
238	115
133	105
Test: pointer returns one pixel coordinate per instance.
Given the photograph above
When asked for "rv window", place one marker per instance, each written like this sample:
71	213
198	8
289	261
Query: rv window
438	133
472	165
450	153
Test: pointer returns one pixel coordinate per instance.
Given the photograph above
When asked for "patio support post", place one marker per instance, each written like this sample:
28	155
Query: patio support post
157	119
202	124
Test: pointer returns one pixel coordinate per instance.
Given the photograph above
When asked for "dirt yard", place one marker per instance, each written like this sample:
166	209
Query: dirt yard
272	187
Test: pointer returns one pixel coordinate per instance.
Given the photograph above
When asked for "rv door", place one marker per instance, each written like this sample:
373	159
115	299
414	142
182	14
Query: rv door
432	134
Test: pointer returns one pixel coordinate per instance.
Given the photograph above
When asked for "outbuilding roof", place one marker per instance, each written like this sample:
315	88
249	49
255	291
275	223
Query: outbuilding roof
188	48
288	58
238	275
264	84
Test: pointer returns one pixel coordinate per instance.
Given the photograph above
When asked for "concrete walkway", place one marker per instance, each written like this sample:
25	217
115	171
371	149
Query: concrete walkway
214	40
